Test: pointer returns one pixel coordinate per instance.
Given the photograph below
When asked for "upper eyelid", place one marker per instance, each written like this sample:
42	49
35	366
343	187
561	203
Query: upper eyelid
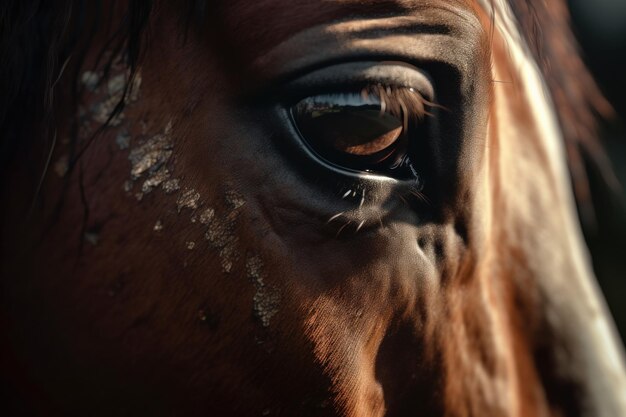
353	75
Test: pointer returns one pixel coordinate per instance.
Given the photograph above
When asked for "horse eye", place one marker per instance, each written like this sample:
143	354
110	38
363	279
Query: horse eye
358	131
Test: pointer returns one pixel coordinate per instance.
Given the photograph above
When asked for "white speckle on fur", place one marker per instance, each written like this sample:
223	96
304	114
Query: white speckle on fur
266	300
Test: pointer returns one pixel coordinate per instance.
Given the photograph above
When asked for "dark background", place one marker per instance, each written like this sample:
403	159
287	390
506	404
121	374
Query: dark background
600	26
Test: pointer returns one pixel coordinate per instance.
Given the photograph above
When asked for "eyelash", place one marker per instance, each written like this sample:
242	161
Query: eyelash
407	104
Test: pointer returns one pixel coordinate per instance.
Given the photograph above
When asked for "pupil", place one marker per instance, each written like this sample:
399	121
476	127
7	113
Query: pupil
355	130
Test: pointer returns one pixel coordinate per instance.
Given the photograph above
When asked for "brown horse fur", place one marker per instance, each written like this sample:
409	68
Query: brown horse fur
177	260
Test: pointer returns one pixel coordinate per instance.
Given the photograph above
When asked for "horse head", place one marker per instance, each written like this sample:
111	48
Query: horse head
342	208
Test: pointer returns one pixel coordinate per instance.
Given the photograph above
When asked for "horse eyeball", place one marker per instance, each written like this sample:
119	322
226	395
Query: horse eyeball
357	131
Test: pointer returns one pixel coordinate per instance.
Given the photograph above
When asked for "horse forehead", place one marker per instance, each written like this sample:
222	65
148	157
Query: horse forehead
269	21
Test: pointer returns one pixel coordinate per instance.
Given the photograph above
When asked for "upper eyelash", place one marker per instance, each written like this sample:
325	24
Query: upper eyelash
405	103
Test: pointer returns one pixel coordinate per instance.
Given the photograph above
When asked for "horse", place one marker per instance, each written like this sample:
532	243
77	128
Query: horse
299	208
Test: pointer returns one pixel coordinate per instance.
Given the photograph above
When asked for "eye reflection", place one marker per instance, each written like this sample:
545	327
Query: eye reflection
363	131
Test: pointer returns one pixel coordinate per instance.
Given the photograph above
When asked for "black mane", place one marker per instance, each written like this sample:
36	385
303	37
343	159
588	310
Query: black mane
38	38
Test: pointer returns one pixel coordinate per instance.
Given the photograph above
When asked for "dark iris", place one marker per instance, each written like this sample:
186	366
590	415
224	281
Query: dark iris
355	131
